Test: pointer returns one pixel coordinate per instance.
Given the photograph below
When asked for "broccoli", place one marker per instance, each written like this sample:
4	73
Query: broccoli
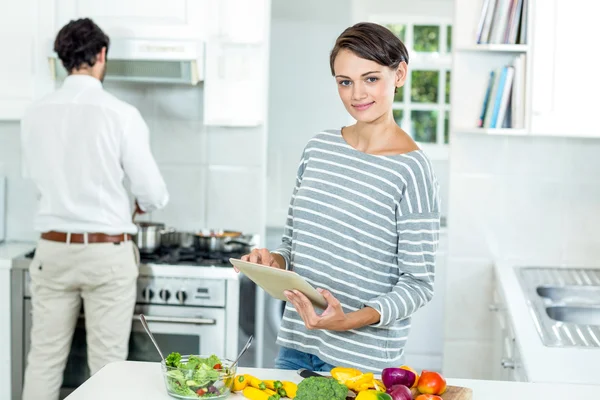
173	360
321	388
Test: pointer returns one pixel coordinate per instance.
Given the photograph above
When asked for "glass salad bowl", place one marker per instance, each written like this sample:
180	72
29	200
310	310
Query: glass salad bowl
198	377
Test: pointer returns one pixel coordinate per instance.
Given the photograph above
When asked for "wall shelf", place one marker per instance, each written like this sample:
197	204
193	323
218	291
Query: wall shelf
492	131
495	48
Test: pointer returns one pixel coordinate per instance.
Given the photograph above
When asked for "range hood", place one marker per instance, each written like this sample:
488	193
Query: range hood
137	60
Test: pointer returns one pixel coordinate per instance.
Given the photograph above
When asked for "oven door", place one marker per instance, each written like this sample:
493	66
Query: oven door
187	330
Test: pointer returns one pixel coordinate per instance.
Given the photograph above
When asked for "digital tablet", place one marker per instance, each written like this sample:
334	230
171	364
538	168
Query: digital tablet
275	281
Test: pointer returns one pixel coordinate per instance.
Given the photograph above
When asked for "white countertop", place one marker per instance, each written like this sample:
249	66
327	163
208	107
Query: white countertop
11	250
140	380
544	364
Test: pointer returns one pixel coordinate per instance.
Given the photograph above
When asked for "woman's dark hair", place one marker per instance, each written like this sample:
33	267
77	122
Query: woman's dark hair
371	42
78	43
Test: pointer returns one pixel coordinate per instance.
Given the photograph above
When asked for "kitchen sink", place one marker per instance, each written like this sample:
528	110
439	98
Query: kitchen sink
564	303
581	294
575	315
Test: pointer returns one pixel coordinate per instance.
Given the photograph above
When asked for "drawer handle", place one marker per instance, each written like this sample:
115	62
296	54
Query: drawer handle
507	364
177	320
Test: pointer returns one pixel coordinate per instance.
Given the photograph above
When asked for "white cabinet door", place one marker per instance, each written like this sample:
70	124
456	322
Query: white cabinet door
235	85
565	87
149	19
242	21
25	29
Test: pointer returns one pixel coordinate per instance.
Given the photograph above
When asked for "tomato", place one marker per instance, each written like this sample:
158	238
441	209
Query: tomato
217	366
201	392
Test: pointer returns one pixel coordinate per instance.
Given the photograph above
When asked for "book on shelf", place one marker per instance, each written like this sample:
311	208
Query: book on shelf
504	100
503	22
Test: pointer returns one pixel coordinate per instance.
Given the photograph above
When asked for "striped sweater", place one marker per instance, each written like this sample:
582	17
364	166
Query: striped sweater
366	228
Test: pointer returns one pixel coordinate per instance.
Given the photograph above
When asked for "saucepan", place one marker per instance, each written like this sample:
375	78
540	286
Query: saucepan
174	238
221	240
149	236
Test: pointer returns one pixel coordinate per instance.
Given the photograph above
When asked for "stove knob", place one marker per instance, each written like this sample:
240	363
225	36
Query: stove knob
181	296
147	294
164	294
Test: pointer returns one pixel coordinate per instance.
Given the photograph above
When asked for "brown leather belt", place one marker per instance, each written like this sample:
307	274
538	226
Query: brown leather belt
80	237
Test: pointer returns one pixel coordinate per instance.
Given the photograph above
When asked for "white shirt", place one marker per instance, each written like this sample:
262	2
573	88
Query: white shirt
79	144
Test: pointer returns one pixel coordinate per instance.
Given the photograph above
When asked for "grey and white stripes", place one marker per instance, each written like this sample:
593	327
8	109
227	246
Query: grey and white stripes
366	228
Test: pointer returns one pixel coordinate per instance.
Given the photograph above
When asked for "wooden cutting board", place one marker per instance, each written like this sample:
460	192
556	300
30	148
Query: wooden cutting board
458	393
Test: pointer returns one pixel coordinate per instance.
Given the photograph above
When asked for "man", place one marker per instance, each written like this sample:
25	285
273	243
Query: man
79	144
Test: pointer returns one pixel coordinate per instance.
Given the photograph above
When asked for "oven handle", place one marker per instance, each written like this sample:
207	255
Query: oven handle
177	320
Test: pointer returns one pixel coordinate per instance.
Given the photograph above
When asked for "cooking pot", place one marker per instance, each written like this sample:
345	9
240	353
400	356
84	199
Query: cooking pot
218	240
149	235
174	238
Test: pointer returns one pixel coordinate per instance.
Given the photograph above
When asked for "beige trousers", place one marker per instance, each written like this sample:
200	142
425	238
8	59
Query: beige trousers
104	276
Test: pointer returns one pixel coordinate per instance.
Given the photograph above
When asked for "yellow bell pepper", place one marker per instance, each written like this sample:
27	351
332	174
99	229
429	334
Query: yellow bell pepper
373	395
361	382
239	383
342	374
378	385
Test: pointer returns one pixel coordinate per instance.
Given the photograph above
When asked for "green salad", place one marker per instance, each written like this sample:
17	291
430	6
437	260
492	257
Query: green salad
195	377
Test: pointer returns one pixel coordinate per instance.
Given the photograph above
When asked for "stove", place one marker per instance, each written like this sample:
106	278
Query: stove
190	256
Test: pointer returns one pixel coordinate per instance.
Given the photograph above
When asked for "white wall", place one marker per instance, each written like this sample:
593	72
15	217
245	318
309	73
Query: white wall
362	9
531	199
20	194
205	168
303	98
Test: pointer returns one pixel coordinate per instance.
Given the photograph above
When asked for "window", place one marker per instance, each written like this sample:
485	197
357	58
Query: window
422	105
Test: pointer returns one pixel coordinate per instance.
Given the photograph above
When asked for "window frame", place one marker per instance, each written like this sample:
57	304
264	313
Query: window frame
440	62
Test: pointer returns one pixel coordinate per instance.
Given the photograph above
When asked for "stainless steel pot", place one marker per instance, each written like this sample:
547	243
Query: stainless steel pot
218	240
174	238
149	236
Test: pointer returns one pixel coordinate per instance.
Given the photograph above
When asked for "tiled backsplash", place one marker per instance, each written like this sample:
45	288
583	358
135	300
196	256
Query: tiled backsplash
215	175
532	199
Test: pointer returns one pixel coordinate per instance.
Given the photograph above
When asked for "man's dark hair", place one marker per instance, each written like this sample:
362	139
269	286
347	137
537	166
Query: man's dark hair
78	43
372	42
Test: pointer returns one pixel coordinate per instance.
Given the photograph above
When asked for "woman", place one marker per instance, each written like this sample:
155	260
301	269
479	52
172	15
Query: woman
363	222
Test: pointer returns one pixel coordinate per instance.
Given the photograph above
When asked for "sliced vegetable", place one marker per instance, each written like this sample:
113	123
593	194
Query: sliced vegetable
414	372
399	392
378	385
360	382
398	376
343	374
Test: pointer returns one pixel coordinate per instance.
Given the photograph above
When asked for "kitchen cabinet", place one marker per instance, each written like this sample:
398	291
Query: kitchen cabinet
147	19
243	21
25	28
234	88
506	357
564	85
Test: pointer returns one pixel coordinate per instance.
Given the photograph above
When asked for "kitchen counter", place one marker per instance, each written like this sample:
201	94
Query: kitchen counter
140	380
11	250
543	364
